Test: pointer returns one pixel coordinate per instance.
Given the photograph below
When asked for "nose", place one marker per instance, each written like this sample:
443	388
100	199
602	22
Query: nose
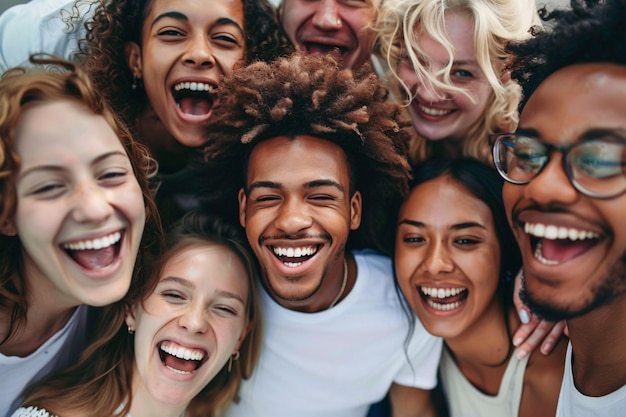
292	216
194	318
428	92
437	259
552	184
91	203
326	15
199	52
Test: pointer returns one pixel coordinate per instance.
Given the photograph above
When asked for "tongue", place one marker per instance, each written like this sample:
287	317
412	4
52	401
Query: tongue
449	300
180	364
94	259
195	106
562	250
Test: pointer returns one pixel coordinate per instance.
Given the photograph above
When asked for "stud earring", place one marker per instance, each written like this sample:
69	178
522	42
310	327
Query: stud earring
131	330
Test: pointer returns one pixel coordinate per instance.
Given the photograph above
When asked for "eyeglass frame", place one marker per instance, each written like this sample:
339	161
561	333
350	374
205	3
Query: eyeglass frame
494	139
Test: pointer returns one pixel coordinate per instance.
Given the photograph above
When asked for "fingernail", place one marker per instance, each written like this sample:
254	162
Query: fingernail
545	349
521	354
518	341
523	316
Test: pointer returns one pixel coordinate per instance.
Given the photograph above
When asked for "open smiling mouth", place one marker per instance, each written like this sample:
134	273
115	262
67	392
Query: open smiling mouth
294	257
194	99
444	299
554	245
97	253
181	360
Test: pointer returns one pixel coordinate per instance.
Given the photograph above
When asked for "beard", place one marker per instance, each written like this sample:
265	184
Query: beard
610	287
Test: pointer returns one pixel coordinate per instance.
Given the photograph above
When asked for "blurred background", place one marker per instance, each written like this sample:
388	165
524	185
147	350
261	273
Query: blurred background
5	4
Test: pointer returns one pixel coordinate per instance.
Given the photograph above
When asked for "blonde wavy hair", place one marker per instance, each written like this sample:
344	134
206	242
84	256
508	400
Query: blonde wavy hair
496	23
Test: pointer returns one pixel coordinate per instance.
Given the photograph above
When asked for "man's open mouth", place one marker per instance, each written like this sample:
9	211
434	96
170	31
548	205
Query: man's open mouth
295	256
323	48
554	245
194	99
94	254
180	359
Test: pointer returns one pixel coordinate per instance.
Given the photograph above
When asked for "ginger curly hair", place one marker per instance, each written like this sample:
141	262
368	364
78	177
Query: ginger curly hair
315	96
115	23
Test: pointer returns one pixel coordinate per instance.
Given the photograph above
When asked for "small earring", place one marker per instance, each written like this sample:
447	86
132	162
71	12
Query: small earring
131	330
134	84
233	357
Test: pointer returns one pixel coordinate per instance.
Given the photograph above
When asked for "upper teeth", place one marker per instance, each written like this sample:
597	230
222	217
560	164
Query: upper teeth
552	232
181	352
95	244
295	252
193	86
441	292
434	112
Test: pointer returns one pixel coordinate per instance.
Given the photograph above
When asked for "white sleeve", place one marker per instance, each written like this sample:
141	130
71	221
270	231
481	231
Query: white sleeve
31	412
424	352
39	26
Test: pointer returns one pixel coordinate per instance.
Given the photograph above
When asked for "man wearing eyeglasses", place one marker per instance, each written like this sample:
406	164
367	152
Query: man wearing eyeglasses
565	196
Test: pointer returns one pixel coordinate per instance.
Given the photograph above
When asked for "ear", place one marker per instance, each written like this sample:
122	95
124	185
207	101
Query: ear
132	51
505	77
355	210
244	333
7	228
130	318
242	208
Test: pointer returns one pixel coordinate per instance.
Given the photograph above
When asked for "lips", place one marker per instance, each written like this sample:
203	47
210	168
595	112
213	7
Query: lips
95	254
554	244
431	113
443	299
181	359
293	257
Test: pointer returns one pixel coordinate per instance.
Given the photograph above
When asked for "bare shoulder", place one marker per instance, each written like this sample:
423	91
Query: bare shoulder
542	382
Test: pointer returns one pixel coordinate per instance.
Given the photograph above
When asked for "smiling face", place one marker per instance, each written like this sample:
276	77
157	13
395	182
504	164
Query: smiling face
573	246
320	26
80	212
447	257
186	47
438	114
298	213
189	327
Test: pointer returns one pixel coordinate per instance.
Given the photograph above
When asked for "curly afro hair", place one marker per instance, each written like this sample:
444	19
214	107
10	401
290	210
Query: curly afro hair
315	96
590	31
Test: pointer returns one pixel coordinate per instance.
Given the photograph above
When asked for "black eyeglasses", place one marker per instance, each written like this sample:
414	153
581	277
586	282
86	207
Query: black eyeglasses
596	166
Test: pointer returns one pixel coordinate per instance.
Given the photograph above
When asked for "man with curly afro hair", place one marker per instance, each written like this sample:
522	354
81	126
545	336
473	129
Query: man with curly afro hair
324	166
566	192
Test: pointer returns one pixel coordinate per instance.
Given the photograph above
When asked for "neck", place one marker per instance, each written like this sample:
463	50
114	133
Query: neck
483	350
598	356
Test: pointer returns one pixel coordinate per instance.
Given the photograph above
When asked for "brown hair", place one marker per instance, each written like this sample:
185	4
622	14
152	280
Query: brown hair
61	80
313	95
102	378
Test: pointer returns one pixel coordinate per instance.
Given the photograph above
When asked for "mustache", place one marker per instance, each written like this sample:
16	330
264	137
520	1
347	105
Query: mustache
557	208
289	236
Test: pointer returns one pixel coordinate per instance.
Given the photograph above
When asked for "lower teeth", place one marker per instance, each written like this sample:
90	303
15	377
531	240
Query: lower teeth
539	255
444	307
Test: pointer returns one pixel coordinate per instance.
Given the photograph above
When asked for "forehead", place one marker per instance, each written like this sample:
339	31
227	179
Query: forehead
197	10
283	158
373	4
444	201
575	100
459	30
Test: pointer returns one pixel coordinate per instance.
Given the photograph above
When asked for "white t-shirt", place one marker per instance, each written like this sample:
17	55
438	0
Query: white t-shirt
38	26
572	403
58	351
335	363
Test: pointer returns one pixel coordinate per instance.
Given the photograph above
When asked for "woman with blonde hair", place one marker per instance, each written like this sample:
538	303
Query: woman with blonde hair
180	344
447	59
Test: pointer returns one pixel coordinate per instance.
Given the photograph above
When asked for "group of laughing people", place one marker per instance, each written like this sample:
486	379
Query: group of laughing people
317	208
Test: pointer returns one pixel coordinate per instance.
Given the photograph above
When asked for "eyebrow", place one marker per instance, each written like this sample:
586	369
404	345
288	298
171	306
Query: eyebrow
190	285
308	185
59	168
181	16
465	62
458	226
